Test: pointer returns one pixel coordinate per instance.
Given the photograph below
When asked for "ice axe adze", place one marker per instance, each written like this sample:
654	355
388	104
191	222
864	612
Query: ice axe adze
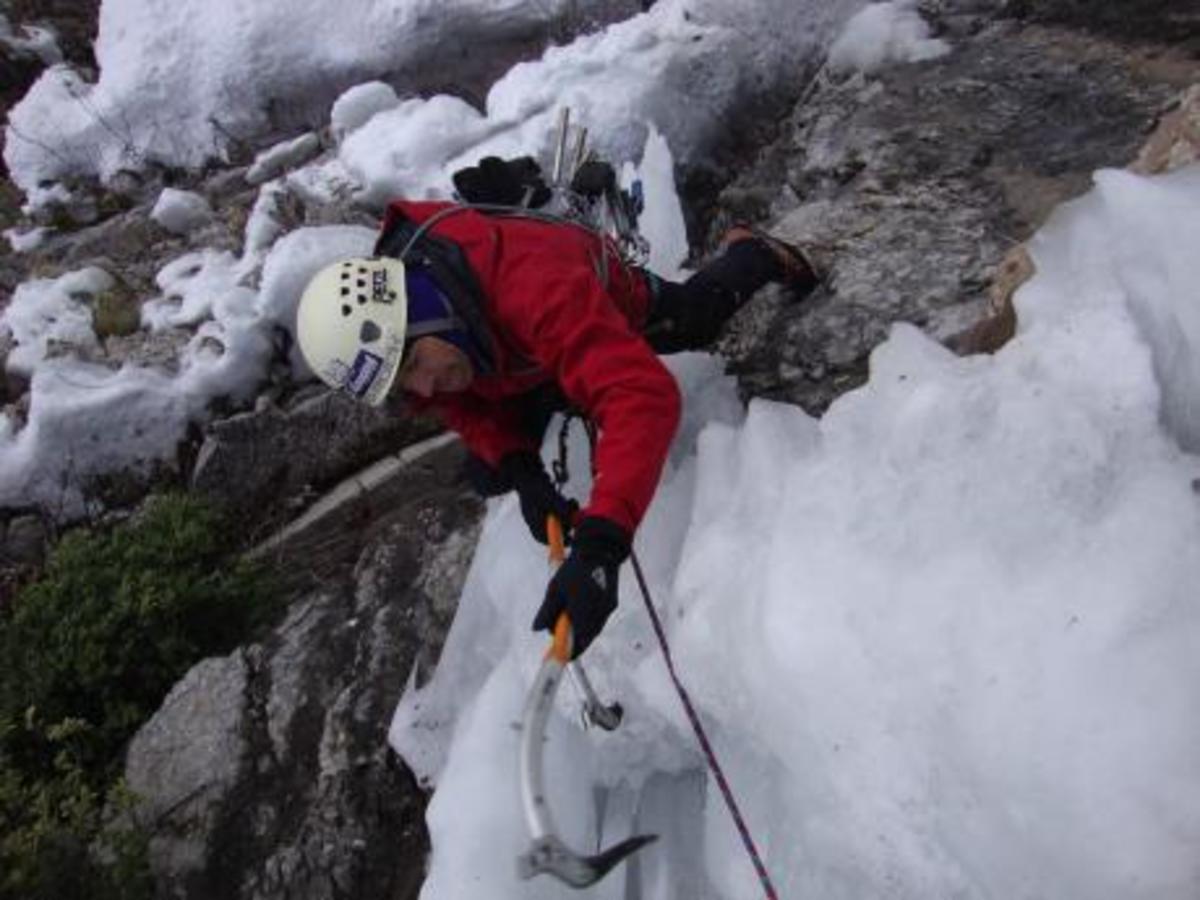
547	853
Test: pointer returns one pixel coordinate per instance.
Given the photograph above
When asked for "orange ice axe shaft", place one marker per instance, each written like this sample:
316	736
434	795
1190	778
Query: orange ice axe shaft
548	854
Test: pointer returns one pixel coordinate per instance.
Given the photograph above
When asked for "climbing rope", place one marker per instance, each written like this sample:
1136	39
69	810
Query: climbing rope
561	475
710	755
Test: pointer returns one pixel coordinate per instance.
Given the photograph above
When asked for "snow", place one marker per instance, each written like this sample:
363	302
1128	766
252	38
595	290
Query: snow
174	84
172	89
662	215
52	310
24	241
946	639
180	211
406	151
86	421
31	39
192	285
883	33
356	106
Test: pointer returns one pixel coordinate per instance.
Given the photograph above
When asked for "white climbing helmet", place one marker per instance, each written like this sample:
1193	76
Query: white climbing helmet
351	324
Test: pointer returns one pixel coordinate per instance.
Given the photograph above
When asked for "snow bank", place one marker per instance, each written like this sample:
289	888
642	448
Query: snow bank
355	107
24	241
884	33
177	77
55	310
946	639
172	89
684	70
87	421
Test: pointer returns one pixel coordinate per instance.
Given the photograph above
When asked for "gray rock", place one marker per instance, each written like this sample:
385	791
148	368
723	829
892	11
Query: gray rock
186	759
917	182
306	800
257	460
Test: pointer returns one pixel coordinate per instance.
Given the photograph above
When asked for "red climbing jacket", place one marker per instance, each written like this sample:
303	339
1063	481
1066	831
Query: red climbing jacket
553	319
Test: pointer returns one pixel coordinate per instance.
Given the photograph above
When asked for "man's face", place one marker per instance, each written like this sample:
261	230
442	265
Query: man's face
434	366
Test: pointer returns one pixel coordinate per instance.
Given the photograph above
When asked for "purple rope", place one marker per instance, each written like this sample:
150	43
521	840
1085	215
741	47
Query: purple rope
709	755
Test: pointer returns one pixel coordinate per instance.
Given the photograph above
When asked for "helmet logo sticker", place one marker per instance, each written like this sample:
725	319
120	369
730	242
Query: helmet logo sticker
369	332
363	372
379	287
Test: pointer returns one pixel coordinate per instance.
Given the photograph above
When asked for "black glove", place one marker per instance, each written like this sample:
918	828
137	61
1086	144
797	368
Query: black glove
585	586
539	498
504	182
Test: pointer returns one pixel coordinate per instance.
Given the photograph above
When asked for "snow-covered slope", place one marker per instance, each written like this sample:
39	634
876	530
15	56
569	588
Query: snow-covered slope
174	86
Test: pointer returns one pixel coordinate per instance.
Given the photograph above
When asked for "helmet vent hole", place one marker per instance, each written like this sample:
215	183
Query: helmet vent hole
369	332
362	283
362	298
346	310
345	292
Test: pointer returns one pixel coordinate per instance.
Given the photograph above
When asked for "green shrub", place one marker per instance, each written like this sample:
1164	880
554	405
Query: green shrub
90	650
60	839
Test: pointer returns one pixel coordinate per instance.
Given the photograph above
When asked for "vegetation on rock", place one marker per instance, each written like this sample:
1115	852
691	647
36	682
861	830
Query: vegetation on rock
90	650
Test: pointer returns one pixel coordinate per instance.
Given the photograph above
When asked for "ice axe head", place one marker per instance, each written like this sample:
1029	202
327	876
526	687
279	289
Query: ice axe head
550	856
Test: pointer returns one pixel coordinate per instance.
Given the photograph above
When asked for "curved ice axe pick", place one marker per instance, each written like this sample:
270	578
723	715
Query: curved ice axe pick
547	853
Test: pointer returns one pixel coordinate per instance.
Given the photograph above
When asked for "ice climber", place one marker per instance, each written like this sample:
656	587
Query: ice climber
494	322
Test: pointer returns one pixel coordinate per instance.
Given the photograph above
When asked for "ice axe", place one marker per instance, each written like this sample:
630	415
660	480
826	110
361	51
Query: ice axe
548	853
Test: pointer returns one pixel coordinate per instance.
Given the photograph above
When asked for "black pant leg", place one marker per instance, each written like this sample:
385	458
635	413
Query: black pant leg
690	316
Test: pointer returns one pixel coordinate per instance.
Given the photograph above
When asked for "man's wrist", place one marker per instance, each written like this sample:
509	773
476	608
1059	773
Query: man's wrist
602	539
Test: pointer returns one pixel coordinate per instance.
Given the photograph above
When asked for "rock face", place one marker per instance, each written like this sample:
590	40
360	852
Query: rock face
915	183
266	773
258	461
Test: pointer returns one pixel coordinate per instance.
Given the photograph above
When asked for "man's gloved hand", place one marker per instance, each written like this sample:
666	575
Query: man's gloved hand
585	586
539	497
